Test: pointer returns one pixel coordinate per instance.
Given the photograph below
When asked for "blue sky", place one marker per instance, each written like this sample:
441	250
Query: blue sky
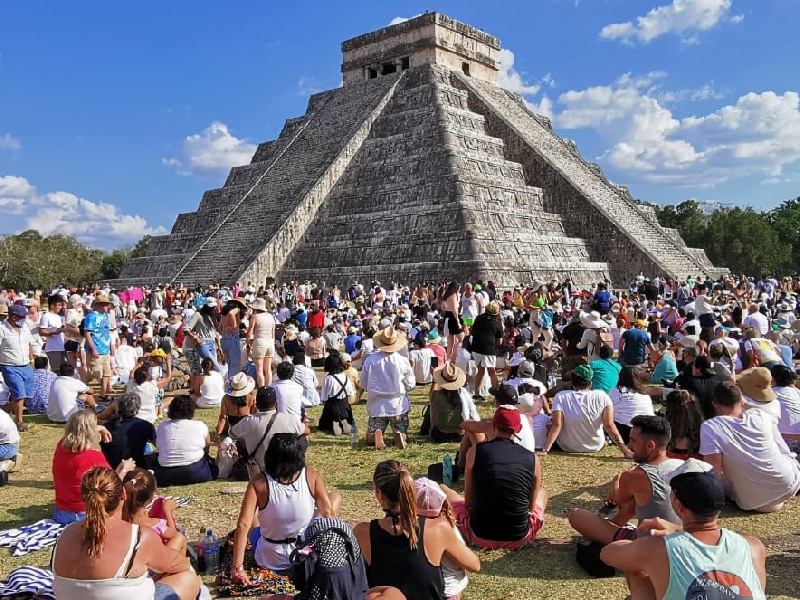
115	117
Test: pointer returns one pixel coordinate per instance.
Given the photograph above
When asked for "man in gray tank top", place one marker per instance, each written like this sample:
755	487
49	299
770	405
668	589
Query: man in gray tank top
641	492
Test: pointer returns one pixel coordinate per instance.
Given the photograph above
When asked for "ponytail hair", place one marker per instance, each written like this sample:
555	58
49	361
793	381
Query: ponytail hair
393	480
140	485
101	492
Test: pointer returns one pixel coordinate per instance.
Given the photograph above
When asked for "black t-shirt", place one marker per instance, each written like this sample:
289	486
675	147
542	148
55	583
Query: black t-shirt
503	485
487	335
128	439
572	335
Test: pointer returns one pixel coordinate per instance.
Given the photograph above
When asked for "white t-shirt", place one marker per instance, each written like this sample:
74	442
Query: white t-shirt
628	404
388	378
422	364
147	393
181	442
755	459
125	359
51	322
773	409
332	388
251	430
8	429
789	401
525	437
63	398
211	390
582	429
758	321
290	397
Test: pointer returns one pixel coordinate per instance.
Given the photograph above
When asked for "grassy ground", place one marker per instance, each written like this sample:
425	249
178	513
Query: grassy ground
547	570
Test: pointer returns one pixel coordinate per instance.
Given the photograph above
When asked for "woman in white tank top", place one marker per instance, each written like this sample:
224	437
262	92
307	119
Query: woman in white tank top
284	499
115	563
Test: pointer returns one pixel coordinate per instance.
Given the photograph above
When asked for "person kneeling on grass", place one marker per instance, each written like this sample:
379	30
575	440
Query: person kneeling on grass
699	560
504	501
642	491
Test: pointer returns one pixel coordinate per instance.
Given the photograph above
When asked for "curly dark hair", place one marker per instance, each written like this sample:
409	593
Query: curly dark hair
181	407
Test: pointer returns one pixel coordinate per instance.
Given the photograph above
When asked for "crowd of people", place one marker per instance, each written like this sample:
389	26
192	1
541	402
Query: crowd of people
693	380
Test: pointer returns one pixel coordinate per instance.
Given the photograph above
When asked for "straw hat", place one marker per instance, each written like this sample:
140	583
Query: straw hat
592	320
259	305
450	377
755	384
101	299
239	301
240	384
388	340
493	308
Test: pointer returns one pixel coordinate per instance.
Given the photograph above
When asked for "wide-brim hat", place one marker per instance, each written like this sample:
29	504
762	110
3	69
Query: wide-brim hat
592	320
240	301
101	299
388	340
609	318
537	284
259	304
755	384
493	308
450	377
240	384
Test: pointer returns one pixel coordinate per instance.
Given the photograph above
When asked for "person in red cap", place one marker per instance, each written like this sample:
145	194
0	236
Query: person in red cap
504	501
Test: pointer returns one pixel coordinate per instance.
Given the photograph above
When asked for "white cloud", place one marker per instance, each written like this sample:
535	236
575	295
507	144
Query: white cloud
8	142
211	153
684	18
510	79
307	85
759	134
398	20
95	223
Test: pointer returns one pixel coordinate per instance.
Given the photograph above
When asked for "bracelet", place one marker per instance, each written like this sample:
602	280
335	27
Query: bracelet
237	568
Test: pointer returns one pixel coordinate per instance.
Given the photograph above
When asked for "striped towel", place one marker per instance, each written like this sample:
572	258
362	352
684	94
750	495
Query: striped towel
43	534
28	580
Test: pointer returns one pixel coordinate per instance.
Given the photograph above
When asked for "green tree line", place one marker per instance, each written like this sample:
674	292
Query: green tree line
743	239
29	261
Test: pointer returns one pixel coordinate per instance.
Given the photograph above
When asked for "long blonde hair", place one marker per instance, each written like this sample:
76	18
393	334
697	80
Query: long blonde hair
101	492
81	431
394	481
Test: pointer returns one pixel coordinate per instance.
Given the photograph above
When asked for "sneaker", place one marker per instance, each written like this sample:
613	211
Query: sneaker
379	443
400	440
6	465
478	398
337	428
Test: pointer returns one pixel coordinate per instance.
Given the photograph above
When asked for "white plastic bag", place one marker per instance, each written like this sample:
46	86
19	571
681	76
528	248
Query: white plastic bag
226	457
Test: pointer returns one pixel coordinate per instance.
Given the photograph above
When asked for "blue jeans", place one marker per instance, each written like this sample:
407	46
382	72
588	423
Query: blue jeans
233	352
8	450
65	517
208	349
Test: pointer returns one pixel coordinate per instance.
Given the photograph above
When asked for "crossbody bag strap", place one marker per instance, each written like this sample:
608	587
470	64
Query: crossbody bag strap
266	432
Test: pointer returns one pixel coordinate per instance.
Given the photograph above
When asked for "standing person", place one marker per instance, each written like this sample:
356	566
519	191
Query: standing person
675	563
16	353
51	328
452	328
471	305
231	318
261	341
487	338
200	340
99	348
73	342
387	377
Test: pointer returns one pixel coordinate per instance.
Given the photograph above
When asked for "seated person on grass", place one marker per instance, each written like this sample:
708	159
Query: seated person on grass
67	395
504	501
642	491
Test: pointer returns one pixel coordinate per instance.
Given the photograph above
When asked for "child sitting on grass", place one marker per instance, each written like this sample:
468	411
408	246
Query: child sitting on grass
140	491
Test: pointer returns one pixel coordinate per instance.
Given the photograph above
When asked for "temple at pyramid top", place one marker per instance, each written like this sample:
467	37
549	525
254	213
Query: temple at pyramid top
419	168
431	38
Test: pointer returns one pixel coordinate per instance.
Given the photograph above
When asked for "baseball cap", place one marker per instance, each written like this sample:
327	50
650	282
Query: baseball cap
507	419
525	369
352	330
504	394
430	498
18	311
702	493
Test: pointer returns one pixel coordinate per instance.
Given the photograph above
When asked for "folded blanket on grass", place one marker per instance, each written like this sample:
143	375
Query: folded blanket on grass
28	580
42	534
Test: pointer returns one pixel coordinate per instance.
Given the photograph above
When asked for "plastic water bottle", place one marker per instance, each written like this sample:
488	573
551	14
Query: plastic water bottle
447	470
353	437
211	551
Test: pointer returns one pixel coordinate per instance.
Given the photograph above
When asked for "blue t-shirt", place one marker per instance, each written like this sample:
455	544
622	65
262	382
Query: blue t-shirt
636	342
99	326
606	374
602	301
350	343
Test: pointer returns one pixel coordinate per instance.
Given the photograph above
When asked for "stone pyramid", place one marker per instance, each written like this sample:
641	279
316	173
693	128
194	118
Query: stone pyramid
419	168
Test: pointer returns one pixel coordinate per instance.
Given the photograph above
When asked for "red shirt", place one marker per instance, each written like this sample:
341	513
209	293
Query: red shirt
68	470
316	318
439	352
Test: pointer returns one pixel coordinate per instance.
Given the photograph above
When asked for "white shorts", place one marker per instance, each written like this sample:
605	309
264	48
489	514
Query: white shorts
484	360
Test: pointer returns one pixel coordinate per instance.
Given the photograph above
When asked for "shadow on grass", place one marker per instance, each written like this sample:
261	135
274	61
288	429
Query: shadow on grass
783	568
550	559
27	515
35	484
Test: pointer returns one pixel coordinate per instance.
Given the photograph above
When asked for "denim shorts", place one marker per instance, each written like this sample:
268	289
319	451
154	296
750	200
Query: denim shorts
165	592
19	380
8	451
